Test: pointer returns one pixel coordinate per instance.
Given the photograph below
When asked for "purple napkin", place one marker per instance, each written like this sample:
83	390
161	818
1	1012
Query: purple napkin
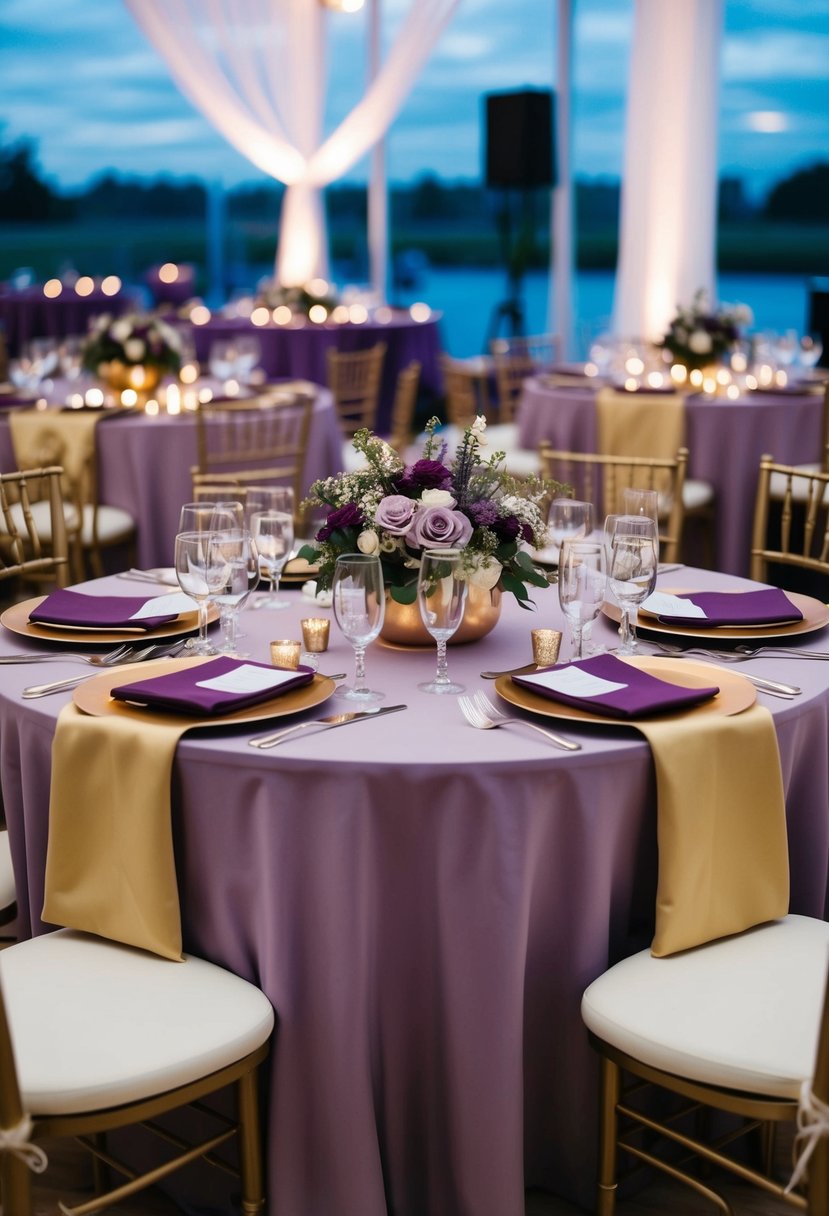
641	696
64	607
769	606
183	691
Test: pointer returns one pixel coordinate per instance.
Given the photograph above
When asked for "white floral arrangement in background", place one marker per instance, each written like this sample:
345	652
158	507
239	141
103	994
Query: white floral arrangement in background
134	339
701	334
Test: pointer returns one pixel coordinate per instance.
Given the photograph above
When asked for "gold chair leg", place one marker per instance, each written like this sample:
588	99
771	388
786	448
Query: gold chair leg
15	1186
608	1135
250	1144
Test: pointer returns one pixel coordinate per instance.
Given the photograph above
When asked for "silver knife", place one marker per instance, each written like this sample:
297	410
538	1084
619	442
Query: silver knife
326	723
149	652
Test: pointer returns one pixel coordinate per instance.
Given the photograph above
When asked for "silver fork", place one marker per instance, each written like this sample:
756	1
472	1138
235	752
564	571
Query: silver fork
773	687
483	715
94	660
133	654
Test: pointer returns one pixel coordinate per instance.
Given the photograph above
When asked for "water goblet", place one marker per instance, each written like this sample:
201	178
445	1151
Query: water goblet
200	573
642	502
569	519
226	514
359	604
632	572
235	549
582	580
441	596
196	516
273	534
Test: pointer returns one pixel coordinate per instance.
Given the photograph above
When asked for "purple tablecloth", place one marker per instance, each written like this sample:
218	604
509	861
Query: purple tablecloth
725	439
424	904
299	350
144	466
28	314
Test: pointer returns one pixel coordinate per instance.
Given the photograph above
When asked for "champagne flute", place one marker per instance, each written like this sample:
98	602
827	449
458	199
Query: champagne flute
359	604
273	534
235	549
582	581
441	596
200	571
569	519
632	573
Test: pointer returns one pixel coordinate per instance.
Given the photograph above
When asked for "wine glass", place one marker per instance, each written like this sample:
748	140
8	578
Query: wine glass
642	502
268	498
245	356
441	596
195	516
226	514
235	549
220	359
359	603
273	534
200	571
810	350
569	519
632	572
582	581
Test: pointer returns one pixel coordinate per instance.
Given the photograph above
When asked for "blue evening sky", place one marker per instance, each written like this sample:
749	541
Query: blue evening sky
79	78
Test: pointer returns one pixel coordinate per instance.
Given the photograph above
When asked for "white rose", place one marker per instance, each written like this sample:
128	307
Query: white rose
437	498
700	342
478	427
485	575
121	330
135	349
368	542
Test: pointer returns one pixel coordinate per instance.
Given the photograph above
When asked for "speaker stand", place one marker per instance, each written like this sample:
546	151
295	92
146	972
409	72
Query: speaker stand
509	311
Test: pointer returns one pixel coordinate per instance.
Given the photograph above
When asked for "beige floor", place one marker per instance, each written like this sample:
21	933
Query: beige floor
69	1176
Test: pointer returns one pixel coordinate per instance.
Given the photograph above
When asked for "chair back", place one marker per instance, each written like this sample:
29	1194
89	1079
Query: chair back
600	479
515	360
404	405
800	537
244	443
463	392
23	551
354	378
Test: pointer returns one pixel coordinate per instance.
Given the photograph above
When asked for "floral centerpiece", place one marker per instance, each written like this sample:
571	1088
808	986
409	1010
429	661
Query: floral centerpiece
300	298
700	334
134	340
397	510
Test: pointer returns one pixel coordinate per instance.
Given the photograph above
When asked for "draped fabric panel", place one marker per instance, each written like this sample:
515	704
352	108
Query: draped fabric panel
256	69
669	192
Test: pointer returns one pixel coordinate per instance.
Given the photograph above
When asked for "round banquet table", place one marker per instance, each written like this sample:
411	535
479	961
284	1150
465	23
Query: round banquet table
26	313
725	440
144	465
424	904
299	349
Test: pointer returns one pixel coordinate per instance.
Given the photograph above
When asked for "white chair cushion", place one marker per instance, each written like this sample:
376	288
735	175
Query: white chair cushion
743	1012
800	487
8	893
503	437
114	524
696	494
96	1024
42	516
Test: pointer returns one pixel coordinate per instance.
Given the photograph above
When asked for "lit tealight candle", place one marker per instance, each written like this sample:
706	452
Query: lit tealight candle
546	646
315	631
285	653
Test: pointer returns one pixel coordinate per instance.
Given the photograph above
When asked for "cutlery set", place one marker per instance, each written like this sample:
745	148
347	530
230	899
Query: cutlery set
129	654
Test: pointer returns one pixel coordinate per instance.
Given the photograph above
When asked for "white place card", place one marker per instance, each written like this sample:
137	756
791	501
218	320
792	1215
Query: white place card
165	605
247	678
660	603
574	682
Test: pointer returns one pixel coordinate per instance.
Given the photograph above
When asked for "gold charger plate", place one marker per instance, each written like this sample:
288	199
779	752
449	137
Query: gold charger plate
815	616
735	695
16	620
93	697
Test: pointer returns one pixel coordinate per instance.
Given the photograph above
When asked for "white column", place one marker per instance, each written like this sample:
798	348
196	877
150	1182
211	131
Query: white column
378	219
560	308
667	245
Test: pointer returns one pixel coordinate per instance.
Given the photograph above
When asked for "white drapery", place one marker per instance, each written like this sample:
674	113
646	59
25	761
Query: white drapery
256	69
667	248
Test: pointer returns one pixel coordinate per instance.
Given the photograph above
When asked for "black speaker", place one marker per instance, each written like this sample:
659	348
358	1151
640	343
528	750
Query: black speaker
519	140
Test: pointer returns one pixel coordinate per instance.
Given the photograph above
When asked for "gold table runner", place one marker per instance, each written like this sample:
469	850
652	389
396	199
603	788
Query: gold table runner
110	867
721	827
640	424
54	436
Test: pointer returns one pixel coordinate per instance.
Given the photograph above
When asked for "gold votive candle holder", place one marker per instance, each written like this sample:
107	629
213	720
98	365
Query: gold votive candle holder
546	646
285	653
315	631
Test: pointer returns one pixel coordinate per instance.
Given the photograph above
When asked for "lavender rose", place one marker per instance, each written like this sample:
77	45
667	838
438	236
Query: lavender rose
349	516
394	514
439	528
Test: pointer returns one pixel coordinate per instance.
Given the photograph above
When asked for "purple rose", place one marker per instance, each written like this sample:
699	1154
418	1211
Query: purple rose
439	528
426	475
507	529
349	516
394	514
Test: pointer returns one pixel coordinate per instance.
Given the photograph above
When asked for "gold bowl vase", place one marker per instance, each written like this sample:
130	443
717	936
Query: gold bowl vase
142	377
403	626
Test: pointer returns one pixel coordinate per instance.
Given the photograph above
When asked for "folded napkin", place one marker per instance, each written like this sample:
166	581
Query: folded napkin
768	606
607	685
73	608
217	687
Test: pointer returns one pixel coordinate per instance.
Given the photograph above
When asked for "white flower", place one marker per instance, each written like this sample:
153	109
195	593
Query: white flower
121	330
700	342
368	542
478	427
309	589
437	498
135	349
484	573
511	504
325	598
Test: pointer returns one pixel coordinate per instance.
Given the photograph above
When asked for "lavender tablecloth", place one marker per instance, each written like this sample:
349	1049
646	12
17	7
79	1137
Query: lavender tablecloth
299	350
725	440
424	904
144	466
27	313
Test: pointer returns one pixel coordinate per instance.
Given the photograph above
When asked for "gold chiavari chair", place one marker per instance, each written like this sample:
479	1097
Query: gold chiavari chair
601	479
515	360
33	535
404	406
96	1036
354	378
796	533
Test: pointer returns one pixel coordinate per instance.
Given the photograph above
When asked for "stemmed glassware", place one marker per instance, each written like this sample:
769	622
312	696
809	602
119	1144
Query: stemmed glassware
582	582
200	573
359	604
632	572
642	502
235	549
569	519
273	534
810	348
195	516
441	596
